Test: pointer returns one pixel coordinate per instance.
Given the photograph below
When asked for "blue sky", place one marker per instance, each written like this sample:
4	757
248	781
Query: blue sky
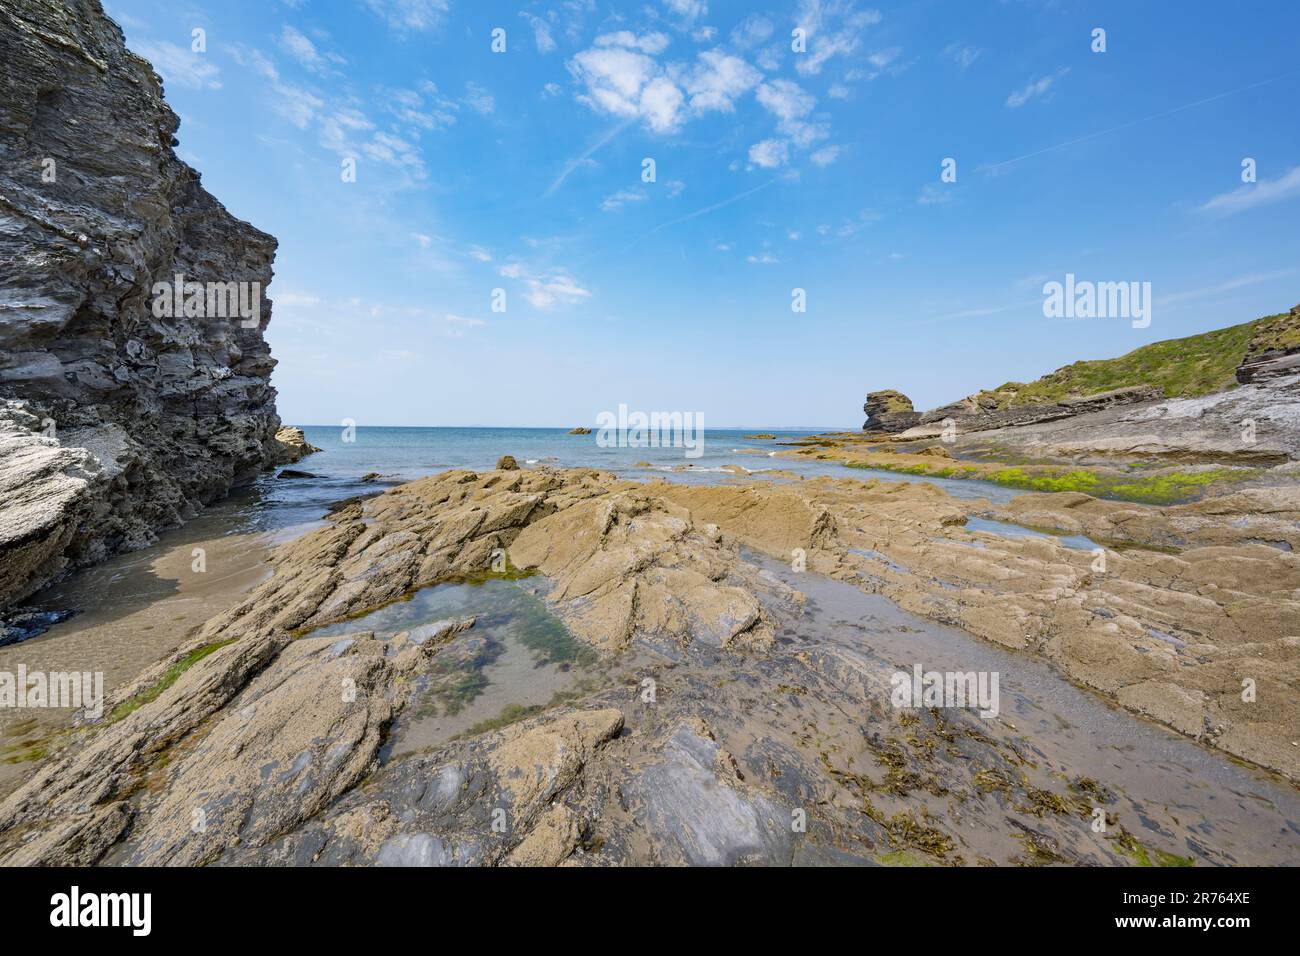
774	170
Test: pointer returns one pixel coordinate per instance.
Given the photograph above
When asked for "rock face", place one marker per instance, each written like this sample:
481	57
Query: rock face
292	446
888	411
891	411
115	421
1274	352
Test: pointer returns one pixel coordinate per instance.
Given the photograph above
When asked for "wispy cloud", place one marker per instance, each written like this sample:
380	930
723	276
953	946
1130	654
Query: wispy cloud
180	65
1036	89
479	99
345	129
618	199
833	28
302	49
545	289
963	54
1254	195
791	105
825	156
999	168
404	15
542	36
934	194
1240	282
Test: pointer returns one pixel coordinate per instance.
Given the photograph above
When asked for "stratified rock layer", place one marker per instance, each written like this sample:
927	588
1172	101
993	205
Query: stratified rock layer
115	422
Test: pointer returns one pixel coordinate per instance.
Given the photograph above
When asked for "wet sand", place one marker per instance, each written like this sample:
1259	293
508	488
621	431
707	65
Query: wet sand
132	610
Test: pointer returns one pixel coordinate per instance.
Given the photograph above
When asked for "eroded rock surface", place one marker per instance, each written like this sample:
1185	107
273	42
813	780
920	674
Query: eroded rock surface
292	446
740	725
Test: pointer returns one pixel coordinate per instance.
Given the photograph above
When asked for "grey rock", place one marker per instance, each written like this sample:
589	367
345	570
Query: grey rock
115	423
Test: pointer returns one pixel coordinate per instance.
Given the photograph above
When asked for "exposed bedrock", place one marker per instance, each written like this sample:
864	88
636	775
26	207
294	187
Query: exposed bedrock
115	422
270	736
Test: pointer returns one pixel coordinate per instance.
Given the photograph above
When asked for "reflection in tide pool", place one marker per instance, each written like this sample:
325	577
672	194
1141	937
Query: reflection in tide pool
517	659
1009	530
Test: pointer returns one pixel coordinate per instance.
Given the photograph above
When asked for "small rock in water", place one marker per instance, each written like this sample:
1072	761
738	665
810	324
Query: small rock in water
22	625
507	463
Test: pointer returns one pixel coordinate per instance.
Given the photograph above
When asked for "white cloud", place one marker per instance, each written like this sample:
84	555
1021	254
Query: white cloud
621	76
833	28
552	89
661	103
786	100
790	104
752	31
934	194
545	290
851	227
1038	87
479	253
422	240
479	99
616	79
962	54
296	104
1252	195
300	106
615	201
688	10
541	33
405	15
769	153
762	259
881	60
426	109
180	65
718	79
826	155
298	46
462	320
652	43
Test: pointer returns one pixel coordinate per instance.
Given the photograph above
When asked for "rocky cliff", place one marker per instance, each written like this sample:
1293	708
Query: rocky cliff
122	411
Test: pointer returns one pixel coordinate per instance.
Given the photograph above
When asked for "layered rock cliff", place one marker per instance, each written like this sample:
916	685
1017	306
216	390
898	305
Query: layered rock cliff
116	418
